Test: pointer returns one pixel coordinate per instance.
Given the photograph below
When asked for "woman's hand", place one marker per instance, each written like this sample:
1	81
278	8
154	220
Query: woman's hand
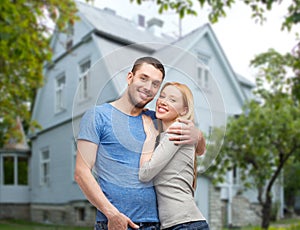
149	144
149	128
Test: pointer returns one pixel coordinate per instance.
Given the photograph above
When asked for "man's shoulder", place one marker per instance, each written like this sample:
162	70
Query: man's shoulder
149	113
102	108
97	111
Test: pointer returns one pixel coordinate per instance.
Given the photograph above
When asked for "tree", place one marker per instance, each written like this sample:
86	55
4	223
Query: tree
270	129
24	48
217	10
265	137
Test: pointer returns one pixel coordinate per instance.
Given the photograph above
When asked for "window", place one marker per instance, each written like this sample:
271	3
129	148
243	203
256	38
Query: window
84	80
15	170
70	34
45	167
8	170
80	212
203	77
60	85
22	171
45	216
141	20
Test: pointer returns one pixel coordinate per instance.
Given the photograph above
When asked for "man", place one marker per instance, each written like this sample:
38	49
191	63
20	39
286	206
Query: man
110	141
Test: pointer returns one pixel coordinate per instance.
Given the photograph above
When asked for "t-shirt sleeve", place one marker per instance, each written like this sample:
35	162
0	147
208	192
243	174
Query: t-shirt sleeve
88	127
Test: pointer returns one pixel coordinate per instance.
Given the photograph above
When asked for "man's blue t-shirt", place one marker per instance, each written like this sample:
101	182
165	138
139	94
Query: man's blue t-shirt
120	140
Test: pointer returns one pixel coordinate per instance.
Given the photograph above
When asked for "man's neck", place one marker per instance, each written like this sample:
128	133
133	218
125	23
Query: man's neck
124	106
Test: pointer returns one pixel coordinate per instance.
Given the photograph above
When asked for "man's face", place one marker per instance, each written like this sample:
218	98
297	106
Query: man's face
143	85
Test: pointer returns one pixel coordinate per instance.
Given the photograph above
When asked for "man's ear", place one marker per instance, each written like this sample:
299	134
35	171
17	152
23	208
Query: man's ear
129	78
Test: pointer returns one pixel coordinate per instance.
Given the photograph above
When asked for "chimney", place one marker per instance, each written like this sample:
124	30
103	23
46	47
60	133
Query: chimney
154	25
110	11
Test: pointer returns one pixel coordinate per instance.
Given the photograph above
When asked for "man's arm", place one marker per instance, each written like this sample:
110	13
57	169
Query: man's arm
85	160
188	134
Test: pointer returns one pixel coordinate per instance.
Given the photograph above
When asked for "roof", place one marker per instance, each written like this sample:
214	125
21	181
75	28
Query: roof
115	26
245	81
17	143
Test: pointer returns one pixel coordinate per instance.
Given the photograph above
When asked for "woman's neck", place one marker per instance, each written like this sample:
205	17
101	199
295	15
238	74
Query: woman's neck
166	124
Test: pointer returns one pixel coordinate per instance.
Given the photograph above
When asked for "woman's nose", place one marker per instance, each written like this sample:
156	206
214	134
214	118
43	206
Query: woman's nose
163	101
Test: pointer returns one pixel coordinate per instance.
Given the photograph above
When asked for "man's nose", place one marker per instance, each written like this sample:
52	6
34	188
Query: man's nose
148	85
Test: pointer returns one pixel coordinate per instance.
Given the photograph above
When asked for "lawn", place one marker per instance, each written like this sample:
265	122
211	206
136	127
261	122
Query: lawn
24	225
285	224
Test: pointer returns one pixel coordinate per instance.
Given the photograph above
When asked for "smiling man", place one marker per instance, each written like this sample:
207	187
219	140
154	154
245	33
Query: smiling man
110	141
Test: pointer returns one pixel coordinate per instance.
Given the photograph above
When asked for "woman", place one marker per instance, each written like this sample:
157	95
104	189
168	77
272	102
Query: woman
172	166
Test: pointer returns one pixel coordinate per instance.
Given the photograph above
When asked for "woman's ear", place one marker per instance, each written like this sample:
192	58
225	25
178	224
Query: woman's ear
184	112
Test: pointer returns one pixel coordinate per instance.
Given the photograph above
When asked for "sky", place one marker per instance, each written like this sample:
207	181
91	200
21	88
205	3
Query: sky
240	37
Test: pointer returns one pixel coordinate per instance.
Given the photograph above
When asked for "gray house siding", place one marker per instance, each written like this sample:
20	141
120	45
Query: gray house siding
112	44
61	187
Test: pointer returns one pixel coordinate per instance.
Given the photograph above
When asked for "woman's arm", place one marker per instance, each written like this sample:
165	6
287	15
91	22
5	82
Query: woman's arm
152	160
149	144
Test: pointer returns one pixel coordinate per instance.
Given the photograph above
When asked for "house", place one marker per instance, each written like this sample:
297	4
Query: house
89	66
14	177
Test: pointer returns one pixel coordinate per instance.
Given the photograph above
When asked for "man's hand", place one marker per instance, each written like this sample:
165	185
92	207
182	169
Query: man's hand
187	134
120	222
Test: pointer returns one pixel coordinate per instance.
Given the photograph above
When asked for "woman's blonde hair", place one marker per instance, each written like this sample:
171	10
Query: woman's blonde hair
187	96
188	101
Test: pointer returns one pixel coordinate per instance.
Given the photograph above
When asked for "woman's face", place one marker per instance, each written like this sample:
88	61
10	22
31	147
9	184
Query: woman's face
170	105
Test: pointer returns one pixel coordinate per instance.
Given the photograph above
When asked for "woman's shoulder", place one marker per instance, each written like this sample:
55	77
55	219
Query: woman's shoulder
178	123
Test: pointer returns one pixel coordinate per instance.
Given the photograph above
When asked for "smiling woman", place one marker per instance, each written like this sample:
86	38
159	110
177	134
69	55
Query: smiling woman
172	167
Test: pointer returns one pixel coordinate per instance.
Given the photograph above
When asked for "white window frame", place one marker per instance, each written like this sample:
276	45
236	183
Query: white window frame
203	77
60	93
44	162
84	79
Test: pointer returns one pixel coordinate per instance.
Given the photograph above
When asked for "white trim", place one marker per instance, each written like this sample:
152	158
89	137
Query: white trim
84	79
44	179
60	83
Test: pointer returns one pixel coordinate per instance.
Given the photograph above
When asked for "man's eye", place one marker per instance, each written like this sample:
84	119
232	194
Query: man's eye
155	85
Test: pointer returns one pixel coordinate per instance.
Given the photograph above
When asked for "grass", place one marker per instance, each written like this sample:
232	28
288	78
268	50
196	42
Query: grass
284	224
25	225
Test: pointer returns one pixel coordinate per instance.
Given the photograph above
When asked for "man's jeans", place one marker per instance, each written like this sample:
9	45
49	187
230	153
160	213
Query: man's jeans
146	226
195	225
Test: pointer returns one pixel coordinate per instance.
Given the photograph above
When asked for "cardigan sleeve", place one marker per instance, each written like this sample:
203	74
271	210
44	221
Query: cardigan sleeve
162	155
